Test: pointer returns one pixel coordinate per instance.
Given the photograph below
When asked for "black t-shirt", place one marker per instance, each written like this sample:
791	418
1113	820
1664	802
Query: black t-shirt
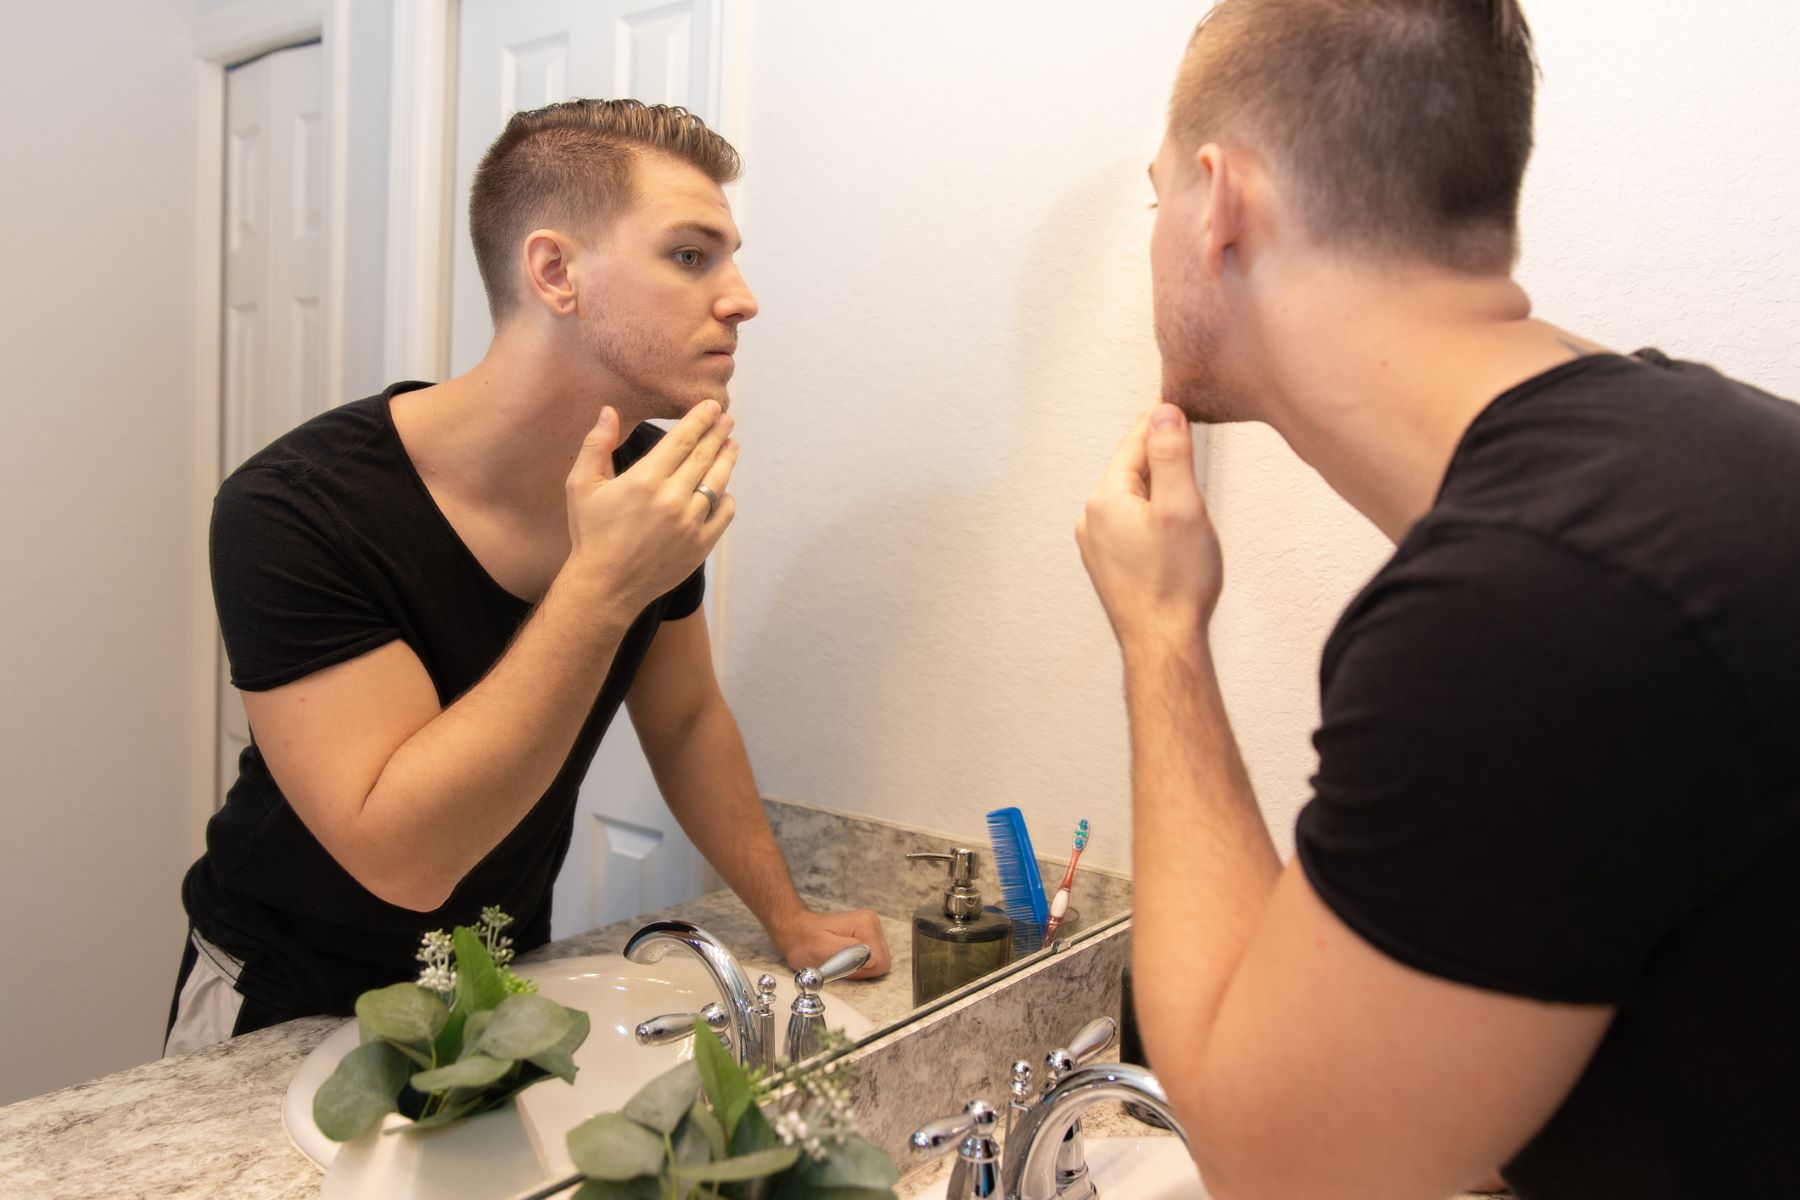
326	545
1560	758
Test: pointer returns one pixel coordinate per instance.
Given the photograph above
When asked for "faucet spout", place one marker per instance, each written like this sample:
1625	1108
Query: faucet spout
1030	1170
656	939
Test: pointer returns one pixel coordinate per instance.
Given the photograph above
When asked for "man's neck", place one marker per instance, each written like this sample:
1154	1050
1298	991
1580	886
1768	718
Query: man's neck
1376	381
504	434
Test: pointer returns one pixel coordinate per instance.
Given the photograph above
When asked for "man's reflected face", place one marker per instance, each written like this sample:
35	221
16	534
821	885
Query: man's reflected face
664	318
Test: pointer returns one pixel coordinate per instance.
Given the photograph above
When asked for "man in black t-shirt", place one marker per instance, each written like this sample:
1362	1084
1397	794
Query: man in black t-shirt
436	599
1542	912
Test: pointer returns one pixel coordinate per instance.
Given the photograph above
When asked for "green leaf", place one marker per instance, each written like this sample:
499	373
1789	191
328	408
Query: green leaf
465	1105
478	985
744	1166
559	1059
692	1144
401	1012
523	1026
856	1164
661	1103
611	1146
476	1071
361	1091
753	1133
700	1118
727	1086
421	1057
644	1187
471	1030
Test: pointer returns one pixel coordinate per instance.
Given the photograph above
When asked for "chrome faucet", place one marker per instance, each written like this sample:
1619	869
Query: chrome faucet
749	1014
1043	1156
1036	1157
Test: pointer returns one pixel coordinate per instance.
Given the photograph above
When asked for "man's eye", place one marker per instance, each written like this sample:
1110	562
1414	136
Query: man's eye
689	258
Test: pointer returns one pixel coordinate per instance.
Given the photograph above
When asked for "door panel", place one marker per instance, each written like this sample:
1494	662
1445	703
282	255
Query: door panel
273	335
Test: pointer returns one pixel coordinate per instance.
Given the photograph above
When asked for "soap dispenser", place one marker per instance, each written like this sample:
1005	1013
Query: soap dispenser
955	939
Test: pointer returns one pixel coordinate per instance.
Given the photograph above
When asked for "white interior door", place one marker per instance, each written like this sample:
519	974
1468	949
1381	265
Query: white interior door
629	855
274	334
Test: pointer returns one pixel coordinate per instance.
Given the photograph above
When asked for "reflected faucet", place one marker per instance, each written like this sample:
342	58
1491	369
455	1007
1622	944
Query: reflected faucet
748	1012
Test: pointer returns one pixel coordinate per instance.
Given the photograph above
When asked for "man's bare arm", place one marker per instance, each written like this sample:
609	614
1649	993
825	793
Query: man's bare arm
408	798
697	754
1300	1059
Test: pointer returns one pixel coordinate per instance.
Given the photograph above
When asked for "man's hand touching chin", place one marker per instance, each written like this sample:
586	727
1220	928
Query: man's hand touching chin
812	937
1147	542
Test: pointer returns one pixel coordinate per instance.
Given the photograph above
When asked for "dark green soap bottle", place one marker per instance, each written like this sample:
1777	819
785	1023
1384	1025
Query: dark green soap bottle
956	939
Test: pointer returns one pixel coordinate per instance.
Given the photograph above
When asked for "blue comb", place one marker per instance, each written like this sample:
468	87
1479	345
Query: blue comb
1021	889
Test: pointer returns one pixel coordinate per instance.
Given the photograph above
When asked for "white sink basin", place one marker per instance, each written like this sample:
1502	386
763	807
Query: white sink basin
522	1145
1130	1168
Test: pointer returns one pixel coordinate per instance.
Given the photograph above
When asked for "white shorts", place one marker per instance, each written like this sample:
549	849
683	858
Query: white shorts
208	1008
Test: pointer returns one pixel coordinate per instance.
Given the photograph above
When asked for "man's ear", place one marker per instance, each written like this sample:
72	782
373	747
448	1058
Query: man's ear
549	278
1222	206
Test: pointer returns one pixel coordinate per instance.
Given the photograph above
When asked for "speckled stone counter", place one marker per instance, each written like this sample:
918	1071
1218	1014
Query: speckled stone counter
208	1124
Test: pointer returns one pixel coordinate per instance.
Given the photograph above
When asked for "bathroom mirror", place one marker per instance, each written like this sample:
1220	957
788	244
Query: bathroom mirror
946	224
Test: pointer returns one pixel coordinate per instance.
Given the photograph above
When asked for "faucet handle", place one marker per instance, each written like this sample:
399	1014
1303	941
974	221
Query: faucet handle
1092	1038
977	1170
672	1027
847	961
1089	1041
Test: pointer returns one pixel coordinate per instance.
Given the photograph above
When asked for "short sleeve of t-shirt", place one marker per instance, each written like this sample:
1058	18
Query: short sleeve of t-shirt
1530	768
290	602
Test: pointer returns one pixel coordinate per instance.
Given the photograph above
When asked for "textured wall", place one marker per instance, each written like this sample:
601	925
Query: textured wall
945	219
96	469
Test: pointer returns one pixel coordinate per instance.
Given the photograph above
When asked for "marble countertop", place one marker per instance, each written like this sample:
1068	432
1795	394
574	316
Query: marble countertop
208	1124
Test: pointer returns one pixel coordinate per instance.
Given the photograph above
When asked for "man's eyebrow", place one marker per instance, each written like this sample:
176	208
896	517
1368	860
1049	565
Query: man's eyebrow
704	230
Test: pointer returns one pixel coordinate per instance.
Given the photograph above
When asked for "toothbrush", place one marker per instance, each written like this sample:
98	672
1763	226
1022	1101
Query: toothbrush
1060	905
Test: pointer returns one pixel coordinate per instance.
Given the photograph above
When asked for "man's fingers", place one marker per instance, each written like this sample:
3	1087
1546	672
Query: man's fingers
679	442
718	478
1170	449
1130	463
695	467
595	460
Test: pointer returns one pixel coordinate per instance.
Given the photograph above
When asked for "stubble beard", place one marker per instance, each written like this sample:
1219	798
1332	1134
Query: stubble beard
1188	336
632	353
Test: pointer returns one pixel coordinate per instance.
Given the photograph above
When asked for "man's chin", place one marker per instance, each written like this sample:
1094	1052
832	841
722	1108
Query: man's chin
1202	400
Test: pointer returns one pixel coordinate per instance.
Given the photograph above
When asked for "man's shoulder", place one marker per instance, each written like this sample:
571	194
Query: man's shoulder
358	433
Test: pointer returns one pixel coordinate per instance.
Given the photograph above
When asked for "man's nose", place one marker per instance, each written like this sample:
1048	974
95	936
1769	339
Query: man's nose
736	303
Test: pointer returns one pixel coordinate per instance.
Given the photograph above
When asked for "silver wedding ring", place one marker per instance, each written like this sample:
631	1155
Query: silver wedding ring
712	499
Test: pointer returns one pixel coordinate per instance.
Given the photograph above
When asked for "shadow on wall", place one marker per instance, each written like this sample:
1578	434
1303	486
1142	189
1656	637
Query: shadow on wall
955	658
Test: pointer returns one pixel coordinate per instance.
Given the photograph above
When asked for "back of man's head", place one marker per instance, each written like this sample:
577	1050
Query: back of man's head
569	166
1401	128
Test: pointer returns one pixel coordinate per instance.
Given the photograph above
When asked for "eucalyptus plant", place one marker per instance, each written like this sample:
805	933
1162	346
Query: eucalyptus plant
698	1132
464	1039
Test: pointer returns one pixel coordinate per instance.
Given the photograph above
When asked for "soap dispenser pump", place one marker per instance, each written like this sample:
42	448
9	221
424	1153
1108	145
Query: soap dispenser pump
956	939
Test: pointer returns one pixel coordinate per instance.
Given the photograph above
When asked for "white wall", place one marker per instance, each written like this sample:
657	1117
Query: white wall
96	349
945	219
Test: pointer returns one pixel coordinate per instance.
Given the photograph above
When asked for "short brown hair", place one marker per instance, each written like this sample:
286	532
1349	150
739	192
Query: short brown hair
1405	124
571	163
